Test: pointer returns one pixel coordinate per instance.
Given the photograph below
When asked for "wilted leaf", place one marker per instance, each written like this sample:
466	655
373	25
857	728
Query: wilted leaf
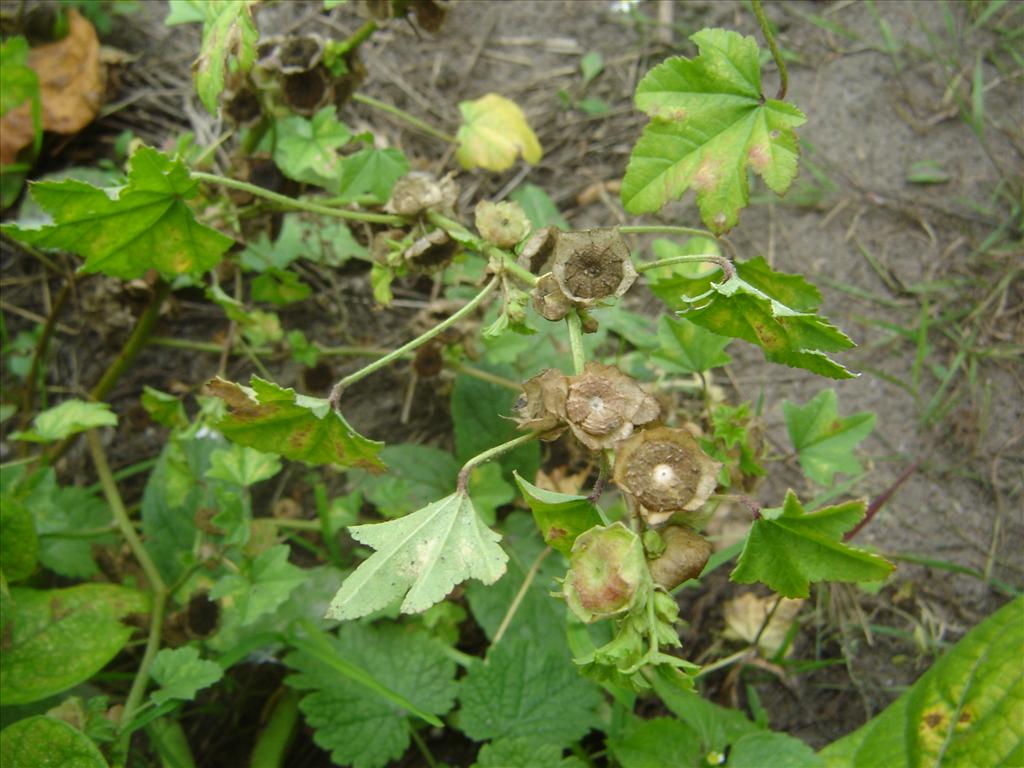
710	122
824	441
787	548
229	42
143	225
746	617
775	311
421	556
70	88
277	420
494	133
68	418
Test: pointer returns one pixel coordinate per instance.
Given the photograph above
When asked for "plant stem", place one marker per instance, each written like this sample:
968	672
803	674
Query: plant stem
302	205
766	30
362	373
117	509
360	36
421	745
518	599
479	373
138	689
572	320
296	525
463	235
720	261
39	352
272	744
508	263
405	117
490	453
666	229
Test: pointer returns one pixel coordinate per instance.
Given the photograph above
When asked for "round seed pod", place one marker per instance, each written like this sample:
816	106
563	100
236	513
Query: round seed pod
420	191
593	264
542	405
604	405
431	252
503	224
666	471
306	92
549	301
607	571
686	553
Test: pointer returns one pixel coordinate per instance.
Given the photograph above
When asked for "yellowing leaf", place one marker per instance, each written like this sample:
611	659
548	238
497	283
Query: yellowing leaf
229	42
494	133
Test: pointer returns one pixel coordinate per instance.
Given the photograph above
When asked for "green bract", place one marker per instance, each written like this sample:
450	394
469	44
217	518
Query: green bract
710	122
420	557
122	233
787	548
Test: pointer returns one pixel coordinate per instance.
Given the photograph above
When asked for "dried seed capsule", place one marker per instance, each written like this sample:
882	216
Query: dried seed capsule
503	224
686	553
592	265
432	251
606	572
536	254
666	471
604	405
420	191
542	406
549	300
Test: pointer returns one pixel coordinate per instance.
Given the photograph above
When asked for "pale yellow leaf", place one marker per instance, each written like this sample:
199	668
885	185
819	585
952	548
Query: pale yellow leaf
494	132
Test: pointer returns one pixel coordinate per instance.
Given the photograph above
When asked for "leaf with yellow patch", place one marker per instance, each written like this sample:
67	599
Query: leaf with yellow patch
278	420
229	41
494	133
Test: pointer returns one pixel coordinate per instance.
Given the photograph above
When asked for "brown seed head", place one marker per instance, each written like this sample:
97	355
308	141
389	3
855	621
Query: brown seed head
539	249
431	252
593	264
549	300
666	471
604	405
686	553
542	406
419	191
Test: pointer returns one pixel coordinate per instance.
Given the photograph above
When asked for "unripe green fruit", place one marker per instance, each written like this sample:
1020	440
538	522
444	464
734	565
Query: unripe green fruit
606	573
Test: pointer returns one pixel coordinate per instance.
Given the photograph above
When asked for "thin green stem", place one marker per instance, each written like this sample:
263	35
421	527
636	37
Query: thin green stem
302	205
572	320
479	373
421	745
296	525
362	373
766	30
138	689
665	229
490	453
405	117
140	335
272	744
720	261
117	509
509	265
360	36
518	599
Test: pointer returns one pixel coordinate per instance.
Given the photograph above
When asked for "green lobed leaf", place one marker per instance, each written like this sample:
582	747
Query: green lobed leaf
181	674
523	752
787	752
185	12
262	585
46	742
372	173
417	474
163	408
538	206
19	544
229	44
143	225
687	348
823	440
965	710
787	334
710	123
55	639
420	557
68	418
523	691
560	517
656	743
671	282
279	287
242	466
277	420
306	150
539	620
368	731
788	548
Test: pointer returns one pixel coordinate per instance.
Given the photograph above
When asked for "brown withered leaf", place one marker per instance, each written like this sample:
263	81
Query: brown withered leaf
70	88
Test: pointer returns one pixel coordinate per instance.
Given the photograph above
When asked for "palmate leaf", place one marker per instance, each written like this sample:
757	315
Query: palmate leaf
277	420
788	548
710	122
775	311
493	134
421	556
306	150
143	225
181	674
965	710
823	441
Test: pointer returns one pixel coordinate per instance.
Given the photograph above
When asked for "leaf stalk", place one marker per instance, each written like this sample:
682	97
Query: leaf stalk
405	117
720	261
766	30
490	453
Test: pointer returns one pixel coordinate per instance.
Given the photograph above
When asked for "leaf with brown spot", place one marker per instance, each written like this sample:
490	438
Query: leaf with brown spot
278	420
